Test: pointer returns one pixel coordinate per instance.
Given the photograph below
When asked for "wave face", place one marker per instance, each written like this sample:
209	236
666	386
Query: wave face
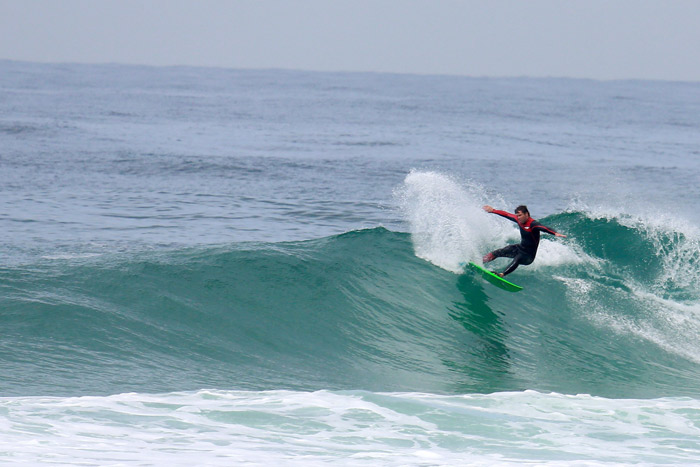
612	311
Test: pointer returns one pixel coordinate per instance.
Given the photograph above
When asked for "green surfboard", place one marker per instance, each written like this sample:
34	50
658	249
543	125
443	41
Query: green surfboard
494	279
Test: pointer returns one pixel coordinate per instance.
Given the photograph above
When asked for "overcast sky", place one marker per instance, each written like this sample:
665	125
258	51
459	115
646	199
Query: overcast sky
600	39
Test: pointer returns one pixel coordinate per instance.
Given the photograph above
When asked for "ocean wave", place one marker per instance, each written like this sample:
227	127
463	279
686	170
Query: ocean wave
354	311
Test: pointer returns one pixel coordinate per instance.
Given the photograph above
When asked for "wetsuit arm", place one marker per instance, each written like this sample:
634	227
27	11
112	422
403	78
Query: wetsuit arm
549	230
505	214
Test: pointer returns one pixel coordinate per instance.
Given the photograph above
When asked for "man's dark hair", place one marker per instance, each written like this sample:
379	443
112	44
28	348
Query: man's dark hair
522	208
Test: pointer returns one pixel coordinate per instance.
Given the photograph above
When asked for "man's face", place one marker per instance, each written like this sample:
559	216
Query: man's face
522	217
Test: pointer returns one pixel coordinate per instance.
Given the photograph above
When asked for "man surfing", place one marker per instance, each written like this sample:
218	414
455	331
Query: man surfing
524	252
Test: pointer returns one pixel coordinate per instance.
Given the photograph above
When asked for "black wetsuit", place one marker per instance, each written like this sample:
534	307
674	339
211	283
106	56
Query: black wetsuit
524	252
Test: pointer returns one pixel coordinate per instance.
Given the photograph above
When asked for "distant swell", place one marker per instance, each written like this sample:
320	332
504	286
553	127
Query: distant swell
355	311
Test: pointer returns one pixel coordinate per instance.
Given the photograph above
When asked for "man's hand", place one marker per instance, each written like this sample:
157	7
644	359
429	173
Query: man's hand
559	235
488	208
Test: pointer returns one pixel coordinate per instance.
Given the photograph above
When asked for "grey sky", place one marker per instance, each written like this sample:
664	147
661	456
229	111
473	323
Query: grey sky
601	39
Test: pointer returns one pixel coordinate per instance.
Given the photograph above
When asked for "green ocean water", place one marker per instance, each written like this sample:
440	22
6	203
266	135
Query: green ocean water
261	267
356	311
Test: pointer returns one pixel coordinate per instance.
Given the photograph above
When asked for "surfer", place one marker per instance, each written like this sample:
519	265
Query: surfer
525	251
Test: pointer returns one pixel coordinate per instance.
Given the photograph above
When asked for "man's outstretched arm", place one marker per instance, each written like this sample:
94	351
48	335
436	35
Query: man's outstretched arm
498	212
549	230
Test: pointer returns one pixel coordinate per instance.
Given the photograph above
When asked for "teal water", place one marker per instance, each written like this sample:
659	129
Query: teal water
259	267
354	311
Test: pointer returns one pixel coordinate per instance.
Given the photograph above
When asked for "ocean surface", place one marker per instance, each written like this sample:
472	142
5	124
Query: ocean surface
233	267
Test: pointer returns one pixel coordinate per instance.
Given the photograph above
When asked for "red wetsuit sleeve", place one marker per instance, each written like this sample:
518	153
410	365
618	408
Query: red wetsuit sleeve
505	214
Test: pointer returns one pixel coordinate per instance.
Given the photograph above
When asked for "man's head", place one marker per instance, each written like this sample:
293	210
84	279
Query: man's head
522	214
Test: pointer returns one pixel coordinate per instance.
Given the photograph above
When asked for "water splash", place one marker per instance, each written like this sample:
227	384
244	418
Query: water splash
445	218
